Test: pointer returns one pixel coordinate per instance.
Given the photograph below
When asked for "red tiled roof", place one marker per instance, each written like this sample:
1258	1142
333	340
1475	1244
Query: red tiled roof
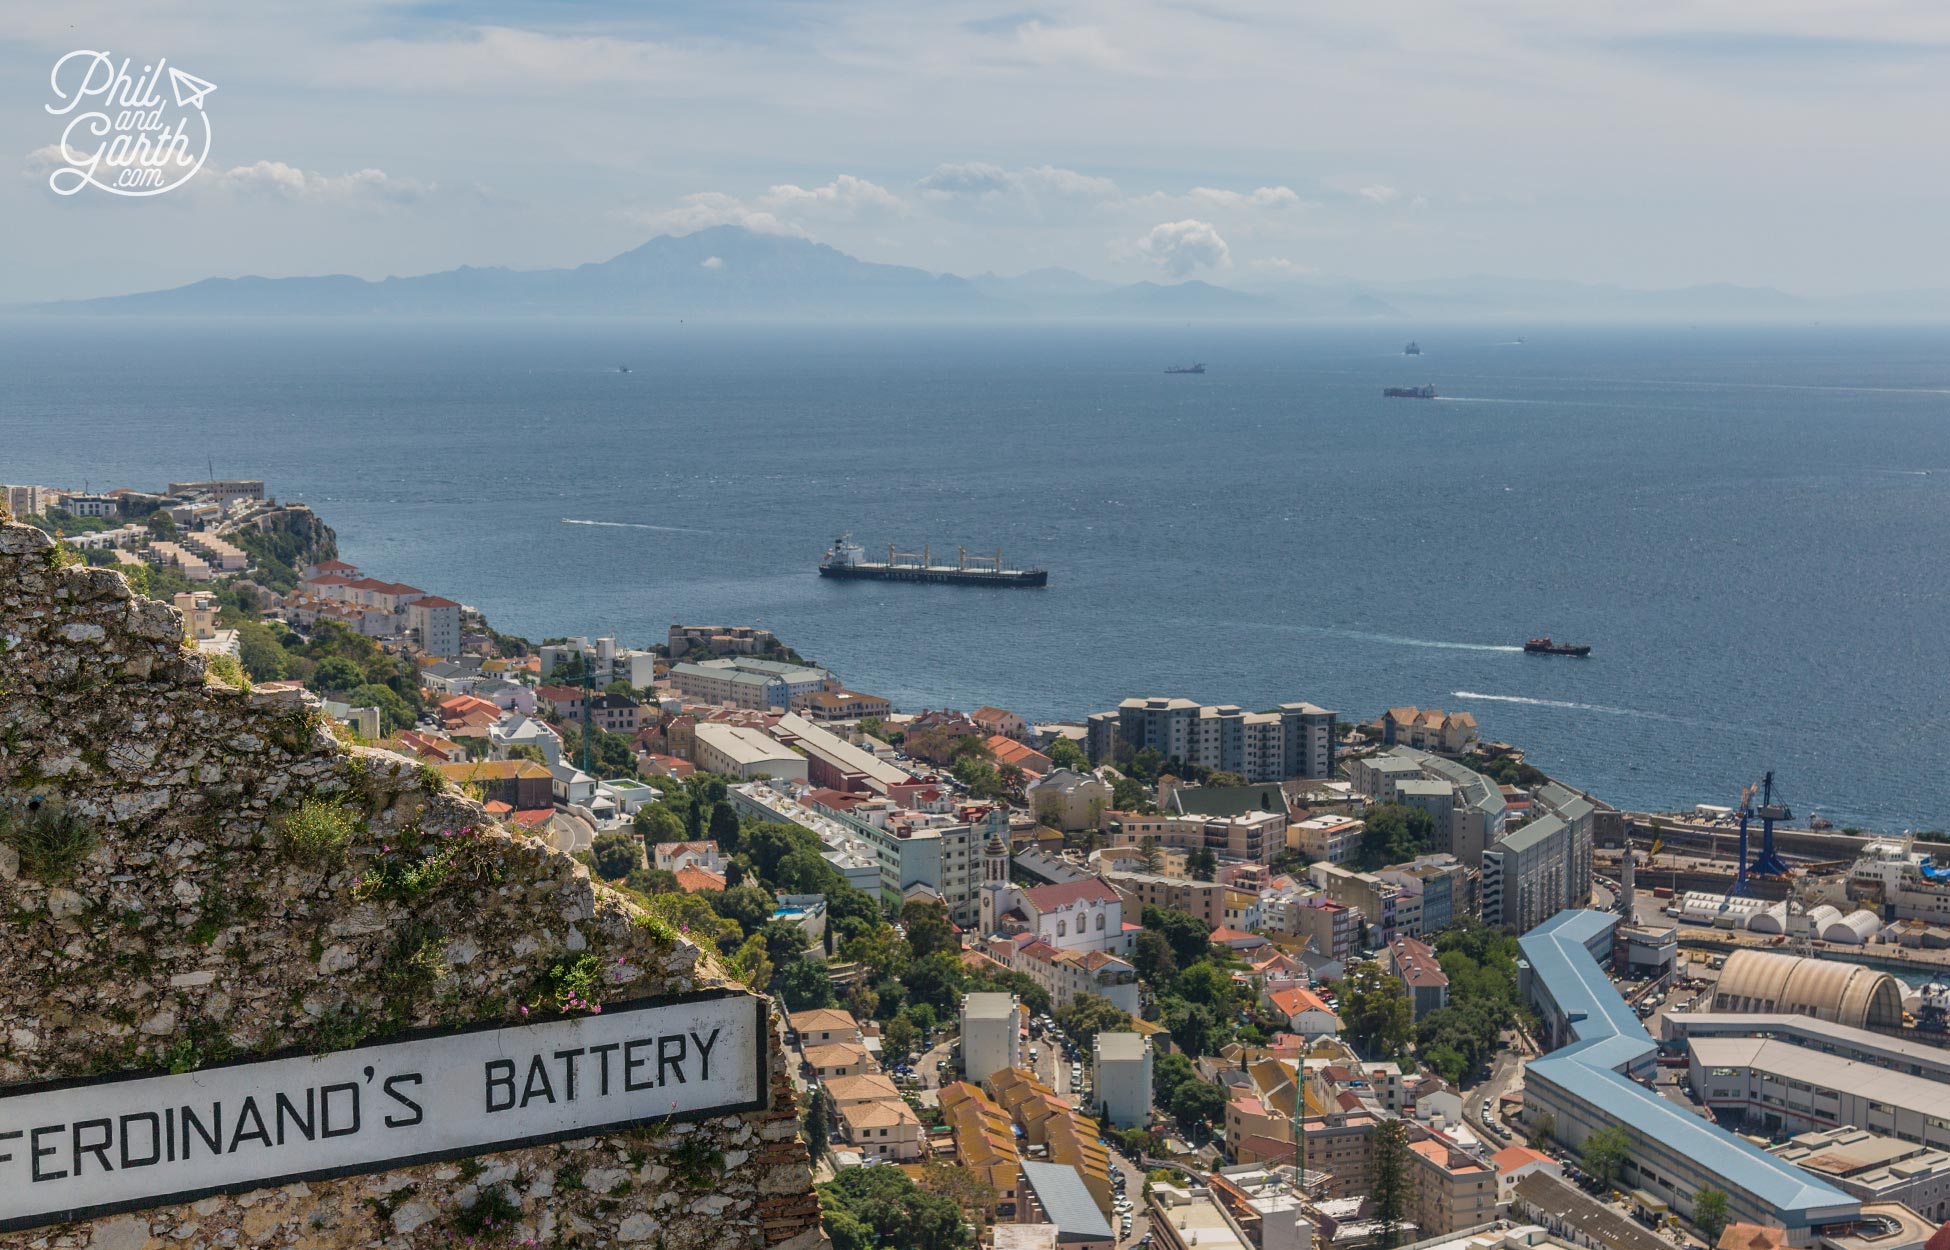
1510	1158
329	579
336	566
691	880
1297	1000
434	601
533	816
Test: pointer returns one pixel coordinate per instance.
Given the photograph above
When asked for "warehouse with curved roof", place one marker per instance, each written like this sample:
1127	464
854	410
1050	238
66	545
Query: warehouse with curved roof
1827	989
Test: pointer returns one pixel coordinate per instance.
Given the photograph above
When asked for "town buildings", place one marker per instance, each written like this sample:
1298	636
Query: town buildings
1296	740
738	681
1068	800
1421	974
720	640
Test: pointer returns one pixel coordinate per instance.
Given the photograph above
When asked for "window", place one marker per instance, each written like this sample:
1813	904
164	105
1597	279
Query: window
1100	922
1062	928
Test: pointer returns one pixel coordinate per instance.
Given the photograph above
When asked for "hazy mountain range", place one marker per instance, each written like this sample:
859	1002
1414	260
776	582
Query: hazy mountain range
727	271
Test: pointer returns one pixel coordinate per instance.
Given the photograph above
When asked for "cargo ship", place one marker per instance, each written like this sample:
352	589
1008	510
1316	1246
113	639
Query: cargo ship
1408	392
1196	368
844	560
1894	879
1544	646
1413	349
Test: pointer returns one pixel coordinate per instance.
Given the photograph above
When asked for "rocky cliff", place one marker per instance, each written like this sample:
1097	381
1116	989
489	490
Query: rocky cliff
192	873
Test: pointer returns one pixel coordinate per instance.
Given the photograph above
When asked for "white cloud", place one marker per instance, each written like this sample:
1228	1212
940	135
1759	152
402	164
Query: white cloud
844	198
1066	45
1262	197
978	181
1283	267
711	262
277	180
1180	247
1379	194
704	210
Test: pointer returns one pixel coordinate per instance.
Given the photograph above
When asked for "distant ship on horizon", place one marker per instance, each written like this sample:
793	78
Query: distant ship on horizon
844	560
1196	368
1413	349
1545	646
1408	392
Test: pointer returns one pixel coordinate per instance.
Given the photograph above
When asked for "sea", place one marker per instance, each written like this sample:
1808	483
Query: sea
1750	526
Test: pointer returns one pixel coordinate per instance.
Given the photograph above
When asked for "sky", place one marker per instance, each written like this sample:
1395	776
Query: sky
1650	143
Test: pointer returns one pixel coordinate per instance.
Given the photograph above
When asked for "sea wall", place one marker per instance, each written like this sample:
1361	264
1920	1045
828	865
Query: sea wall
213	876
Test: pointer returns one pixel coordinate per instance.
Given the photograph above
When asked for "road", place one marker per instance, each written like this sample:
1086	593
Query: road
1506	1077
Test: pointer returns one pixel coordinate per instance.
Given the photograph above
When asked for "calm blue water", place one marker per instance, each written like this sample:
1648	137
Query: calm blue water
1752	527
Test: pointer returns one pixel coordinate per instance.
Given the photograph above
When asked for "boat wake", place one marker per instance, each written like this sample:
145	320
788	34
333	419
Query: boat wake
636	525
1396	640
1602	709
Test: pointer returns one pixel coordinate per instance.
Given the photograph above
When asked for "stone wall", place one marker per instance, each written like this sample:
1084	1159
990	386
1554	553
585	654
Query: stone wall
245	884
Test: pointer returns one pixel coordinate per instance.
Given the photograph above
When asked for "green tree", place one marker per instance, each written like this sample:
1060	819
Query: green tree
1087	1015
1150	858
336	674
1543	1127
1710	1213
651	880
1151	956
1375	1009
897	1038
263	656
656	823
1203	864
1390	1180
616	855
1604	1153
1168	1073
881	948
394	712
1198	1102
891	1210
817	1127
1393	833
937	980
1205	982
1064	753
804	984
1190	939
749	905
928	928
724	824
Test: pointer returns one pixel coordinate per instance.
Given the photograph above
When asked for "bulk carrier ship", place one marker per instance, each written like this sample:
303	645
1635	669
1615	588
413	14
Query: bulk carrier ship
844	560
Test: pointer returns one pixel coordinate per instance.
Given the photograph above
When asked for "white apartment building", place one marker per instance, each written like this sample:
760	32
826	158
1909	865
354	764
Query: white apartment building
437	621
991	1035
1297	740
739	681
1122	1062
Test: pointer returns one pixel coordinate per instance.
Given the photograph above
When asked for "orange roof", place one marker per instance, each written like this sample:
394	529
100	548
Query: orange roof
691	880
533	817
1296	1000
1510	1158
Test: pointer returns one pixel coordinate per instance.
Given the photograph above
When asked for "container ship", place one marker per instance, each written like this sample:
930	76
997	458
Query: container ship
1195	368
844	560
1408	392
1544	646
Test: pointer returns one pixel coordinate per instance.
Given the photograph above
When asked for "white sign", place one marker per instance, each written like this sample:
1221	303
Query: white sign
76	1149
130	139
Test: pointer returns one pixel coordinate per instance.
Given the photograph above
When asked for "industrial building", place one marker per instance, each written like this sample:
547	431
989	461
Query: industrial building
1842	1041
1827	989
1778	1087
1585	1084
746	754
1876	1168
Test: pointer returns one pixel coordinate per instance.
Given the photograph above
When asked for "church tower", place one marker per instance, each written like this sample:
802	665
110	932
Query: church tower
995	872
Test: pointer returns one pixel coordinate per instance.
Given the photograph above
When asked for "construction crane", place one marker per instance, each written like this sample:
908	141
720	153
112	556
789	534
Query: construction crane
1768	863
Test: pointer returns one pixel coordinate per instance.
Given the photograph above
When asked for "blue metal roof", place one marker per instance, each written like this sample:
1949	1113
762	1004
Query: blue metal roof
1065	1200
1610	1037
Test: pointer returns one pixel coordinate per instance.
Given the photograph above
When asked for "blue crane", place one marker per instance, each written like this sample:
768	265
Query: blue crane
1769	862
